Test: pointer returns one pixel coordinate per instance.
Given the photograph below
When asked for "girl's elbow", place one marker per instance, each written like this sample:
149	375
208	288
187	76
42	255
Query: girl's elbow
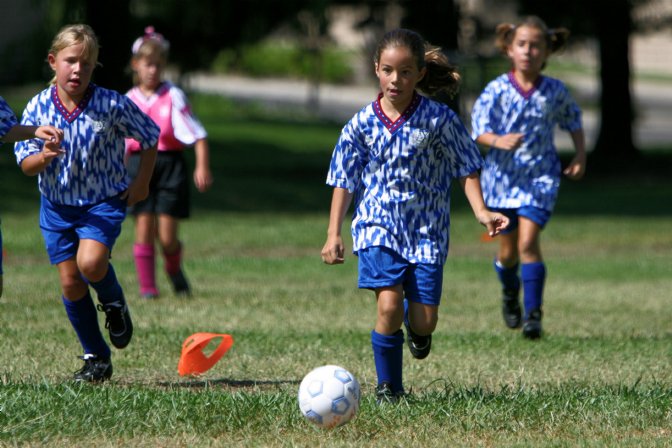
28	169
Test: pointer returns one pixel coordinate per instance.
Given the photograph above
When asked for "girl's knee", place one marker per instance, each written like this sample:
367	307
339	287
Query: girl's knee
74	287
93	269
423	318
390	316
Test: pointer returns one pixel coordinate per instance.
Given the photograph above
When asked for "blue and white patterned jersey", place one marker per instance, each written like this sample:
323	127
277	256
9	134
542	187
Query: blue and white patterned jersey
92	168
7	118
400	173
530	175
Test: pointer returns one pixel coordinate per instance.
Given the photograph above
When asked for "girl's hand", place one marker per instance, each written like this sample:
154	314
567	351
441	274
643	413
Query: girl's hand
202	179
493	221
509	142
333	251
135	193
577	167
51	150
49	133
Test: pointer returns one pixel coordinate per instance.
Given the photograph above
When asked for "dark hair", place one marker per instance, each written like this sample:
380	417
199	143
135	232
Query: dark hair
440	75
556	38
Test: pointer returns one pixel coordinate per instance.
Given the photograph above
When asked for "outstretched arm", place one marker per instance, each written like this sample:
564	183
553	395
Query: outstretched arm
494	222
21	132
333	251
507	142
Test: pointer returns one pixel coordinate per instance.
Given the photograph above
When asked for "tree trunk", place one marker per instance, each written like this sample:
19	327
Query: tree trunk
111	22
614	145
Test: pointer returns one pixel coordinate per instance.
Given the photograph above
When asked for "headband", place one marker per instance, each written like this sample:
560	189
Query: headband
150	34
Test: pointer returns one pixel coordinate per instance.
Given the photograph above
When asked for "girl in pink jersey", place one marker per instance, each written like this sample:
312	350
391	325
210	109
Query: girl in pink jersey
157	217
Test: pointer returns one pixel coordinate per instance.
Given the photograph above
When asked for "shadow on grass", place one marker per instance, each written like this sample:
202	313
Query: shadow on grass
227	383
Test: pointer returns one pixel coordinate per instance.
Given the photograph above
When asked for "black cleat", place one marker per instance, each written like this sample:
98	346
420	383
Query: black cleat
95	369
418	345
532	325
385	396
511	309
180	284
118	322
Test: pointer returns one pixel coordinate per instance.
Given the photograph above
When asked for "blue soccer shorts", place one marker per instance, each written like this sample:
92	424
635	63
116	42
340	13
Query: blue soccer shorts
63	226
535	214
381	267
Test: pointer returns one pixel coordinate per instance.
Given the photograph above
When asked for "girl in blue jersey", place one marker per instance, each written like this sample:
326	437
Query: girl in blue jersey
515	116
12	131
85	189
397	157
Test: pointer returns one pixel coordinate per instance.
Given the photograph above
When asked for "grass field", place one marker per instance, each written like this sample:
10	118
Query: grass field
601	376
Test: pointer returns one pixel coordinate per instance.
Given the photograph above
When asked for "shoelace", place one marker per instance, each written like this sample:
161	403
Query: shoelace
113	314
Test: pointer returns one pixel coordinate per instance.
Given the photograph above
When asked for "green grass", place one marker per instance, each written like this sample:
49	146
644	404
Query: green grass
601	376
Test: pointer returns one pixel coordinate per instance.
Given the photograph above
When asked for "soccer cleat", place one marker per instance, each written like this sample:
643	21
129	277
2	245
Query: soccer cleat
418	345
118	322
95	369
180	284
385	396
532	325
511	309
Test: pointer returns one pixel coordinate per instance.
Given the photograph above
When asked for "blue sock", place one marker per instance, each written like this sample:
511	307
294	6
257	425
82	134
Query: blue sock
84	320
388	356
508	276
108	288
533	276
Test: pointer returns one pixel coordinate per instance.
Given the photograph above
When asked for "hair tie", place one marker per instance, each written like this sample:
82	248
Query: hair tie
150	34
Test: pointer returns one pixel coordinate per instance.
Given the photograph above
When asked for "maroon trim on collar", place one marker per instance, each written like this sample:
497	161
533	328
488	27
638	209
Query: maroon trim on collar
524	93
70	116
392	126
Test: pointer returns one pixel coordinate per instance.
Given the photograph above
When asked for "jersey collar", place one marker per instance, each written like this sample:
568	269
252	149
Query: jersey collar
70	116
525	93
392	126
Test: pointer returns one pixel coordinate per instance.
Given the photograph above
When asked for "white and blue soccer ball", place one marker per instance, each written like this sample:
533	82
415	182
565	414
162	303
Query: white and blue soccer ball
329	396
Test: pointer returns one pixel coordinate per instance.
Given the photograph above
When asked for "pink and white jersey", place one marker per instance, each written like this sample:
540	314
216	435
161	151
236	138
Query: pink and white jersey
169	109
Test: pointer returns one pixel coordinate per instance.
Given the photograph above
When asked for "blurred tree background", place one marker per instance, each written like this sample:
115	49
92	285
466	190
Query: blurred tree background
206	34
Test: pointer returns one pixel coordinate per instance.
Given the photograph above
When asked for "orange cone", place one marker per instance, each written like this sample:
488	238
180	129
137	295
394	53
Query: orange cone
193	361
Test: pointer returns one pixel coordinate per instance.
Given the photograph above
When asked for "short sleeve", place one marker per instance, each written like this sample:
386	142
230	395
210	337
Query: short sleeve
136	124
346	165
7	119
568	113
481	121
464	156
186	127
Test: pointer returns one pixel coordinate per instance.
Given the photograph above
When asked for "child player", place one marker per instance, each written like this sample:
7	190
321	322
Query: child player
85	189
397	158
157	217
515	116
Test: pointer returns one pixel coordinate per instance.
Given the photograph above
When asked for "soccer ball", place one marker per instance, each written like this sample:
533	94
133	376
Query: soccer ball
329	396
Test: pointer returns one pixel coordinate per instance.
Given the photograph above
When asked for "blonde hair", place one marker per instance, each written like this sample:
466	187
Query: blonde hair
71	35
440	75
148	49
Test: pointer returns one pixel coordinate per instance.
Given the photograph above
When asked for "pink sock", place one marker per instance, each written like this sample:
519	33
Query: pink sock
144	265
173	261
